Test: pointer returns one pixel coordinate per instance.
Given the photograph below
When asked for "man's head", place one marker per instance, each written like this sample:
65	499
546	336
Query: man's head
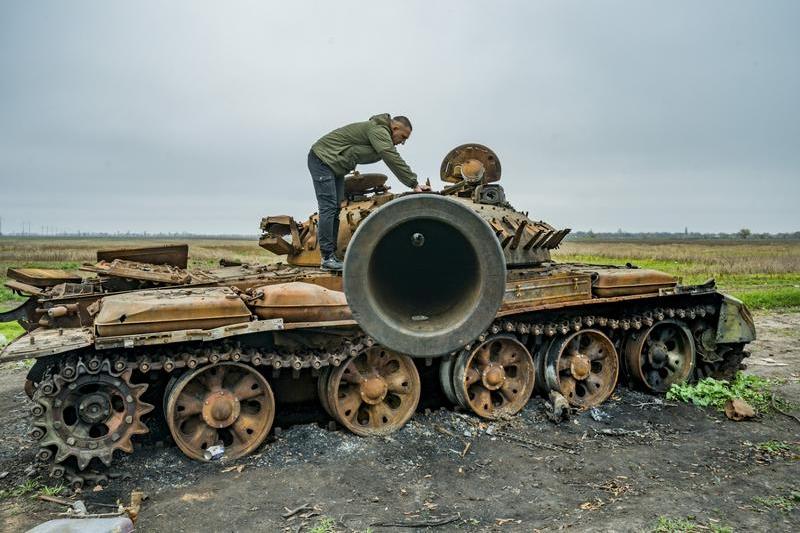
401	129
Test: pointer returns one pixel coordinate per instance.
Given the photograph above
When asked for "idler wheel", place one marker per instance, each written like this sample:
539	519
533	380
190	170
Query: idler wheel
228	403
375	392
660	356
582	366
496	378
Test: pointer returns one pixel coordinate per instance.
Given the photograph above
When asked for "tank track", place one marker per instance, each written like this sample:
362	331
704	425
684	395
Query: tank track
616	324
151	360
148	361
72	457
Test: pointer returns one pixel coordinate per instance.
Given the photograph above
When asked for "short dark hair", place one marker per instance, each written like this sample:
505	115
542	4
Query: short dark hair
404	121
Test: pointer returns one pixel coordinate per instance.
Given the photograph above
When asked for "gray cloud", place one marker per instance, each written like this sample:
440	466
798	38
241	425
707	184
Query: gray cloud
194	116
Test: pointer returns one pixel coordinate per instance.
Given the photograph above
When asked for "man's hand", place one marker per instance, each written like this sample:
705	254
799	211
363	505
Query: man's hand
422	188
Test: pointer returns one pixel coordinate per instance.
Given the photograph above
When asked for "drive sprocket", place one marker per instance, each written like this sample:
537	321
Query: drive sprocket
87	411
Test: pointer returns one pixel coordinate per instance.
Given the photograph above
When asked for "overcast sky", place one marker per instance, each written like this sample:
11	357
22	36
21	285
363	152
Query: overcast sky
198	116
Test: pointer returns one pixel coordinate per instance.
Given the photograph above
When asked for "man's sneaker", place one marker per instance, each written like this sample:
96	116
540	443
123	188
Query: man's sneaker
332	264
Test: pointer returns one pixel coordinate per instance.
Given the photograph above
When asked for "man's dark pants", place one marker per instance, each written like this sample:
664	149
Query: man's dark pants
329	189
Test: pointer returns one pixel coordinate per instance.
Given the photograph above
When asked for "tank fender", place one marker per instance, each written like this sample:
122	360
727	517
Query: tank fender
42	342
297	301
735	322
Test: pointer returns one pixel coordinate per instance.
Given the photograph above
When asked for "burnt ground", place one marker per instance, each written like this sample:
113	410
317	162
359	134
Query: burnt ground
646	461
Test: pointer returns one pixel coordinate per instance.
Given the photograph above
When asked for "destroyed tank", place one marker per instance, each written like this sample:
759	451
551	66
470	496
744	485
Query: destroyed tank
456	284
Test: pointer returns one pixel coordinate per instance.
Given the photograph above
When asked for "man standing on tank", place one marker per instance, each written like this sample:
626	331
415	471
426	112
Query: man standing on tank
337	154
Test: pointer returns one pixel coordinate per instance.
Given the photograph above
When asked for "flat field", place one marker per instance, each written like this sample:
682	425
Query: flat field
765	274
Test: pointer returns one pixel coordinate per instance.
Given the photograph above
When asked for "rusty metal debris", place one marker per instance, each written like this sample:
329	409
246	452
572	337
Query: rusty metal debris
42	277
176	255
533	444
77	517
737	409
457	279
558	407
622	432
433	522
137	498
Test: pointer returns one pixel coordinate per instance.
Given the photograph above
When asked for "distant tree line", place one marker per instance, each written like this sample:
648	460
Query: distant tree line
619	235
130	235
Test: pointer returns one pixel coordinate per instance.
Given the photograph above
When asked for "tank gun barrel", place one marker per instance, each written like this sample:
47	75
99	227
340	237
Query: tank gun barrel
424	275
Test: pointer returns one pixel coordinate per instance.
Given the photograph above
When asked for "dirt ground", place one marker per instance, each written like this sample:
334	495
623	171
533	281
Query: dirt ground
450	471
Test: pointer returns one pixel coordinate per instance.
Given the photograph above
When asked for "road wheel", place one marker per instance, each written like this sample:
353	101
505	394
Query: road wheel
228	403
583	367
375	392
496	378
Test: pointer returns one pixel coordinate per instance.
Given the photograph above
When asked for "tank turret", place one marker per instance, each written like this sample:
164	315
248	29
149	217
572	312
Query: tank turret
473	171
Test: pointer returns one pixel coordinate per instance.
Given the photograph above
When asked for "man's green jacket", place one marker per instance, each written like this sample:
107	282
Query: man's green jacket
362	143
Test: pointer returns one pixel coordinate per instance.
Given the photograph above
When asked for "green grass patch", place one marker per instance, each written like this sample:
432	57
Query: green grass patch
769	298
673	525
7	295
665	524
57	265
324	525
11	330
31	487
51	491
710	392
785	504
22	489
778	448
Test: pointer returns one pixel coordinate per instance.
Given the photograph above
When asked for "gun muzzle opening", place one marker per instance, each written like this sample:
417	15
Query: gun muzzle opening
439	280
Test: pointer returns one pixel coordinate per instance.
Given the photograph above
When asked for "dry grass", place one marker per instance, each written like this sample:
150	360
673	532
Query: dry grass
27	251
705	257
764	274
